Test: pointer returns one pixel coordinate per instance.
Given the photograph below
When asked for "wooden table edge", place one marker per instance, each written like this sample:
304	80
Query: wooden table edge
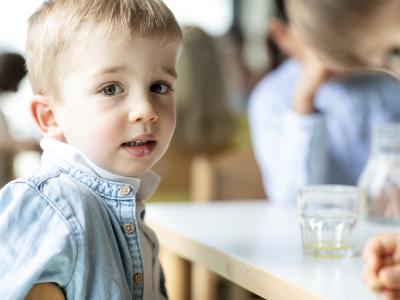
228	266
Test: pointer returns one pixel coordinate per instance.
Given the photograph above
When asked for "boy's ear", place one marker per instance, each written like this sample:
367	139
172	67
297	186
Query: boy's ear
44	116
279	33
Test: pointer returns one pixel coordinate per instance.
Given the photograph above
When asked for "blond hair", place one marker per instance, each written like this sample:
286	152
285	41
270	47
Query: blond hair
55	24
332	26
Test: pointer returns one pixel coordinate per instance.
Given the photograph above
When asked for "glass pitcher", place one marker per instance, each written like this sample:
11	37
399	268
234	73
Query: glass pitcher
380	178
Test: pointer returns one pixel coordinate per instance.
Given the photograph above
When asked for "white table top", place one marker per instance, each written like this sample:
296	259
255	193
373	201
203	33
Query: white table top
258	246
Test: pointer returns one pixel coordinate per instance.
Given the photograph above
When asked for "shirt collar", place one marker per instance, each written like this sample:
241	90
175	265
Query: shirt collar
54	150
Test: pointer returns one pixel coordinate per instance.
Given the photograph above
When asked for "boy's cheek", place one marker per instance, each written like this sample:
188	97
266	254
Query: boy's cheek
174	125
171	115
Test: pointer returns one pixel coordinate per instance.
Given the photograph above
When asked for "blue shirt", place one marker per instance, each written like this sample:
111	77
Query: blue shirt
83	231
330	146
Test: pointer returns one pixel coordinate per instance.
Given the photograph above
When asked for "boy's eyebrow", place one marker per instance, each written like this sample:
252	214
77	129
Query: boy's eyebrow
170	71
108	70
111	70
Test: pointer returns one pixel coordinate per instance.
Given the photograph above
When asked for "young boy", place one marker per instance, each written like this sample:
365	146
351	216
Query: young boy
102	74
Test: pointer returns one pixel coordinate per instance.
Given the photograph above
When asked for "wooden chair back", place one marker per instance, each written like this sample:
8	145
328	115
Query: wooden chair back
232	175
228	176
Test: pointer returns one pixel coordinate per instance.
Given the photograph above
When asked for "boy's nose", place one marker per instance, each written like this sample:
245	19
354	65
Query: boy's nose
143	111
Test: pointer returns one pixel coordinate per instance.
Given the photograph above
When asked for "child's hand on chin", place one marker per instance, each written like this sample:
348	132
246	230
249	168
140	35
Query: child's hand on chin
315	70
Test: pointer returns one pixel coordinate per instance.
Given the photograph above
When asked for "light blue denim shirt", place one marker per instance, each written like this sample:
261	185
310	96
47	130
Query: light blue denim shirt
78	226
329	146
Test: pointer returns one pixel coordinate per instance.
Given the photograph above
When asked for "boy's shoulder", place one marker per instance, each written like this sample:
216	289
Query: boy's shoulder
49	188
37	179
24	197
50	196
31	182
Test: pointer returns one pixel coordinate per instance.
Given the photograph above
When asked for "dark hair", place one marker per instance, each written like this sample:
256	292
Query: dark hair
280	10
275	55
12	70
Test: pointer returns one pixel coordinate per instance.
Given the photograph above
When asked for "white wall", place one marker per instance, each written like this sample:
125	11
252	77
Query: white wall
255	17
213	15
13	22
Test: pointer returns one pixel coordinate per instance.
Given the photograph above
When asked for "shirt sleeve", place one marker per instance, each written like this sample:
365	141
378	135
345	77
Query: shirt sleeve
36	243
290	148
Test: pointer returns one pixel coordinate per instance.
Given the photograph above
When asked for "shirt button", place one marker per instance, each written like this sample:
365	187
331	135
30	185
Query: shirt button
138	279
125	190
129	228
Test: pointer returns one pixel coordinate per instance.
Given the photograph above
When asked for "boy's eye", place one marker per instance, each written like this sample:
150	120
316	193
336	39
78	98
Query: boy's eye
111	90
160	88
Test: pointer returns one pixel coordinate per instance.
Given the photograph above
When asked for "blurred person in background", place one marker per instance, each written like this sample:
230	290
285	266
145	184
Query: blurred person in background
204	115
12	67
12	71
206	121
240	78
310	123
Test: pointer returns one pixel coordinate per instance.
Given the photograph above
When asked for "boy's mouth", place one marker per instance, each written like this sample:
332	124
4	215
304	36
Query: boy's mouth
141	146
137	143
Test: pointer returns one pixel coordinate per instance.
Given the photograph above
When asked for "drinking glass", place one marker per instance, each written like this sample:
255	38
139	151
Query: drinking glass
328	215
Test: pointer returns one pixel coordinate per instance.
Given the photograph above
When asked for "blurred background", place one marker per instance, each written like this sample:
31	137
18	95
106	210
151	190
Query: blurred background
212	136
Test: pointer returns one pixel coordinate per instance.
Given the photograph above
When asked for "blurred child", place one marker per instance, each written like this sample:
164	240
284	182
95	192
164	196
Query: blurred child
310	123
367	36
103	74
206	122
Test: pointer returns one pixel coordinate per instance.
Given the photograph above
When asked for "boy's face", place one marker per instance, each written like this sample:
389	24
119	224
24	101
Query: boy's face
116	101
